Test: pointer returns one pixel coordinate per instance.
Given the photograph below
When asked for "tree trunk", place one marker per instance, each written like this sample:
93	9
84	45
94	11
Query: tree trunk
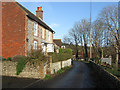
77	54
102	51
86	53
117	56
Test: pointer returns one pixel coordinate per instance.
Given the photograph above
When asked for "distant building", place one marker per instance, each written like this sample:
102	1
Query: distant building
57	44
22	30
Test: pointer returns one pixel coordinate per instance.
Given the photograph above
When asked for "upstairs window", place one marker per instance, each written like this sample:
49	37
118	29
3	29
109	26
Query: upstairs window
43	32
35	29
48	35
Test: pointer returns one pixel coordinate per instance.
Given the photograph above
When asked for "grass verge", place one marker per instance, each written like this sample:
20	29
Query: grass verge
50	76
84	61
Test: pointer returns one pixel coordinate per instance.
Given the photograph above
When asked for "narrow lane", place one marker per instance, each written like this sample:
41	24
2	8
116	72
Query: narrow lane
78	77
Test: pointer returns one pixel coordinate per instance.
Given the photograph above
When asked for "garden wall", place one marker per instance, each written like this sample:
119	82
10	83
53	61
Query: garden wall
58	65
31	70
110	80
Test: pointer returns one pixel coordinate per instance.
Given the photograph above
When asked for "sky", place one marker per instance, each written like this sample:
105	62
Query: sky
61	16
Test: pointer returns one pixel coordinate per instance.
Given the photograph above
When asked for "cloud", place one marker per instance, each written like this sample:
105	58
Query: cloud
54	25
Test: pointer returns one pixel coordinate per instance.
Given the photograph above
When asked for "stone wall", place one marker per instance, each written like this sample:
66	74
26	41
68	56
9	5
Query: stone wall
58	65
55	67
109	79
66	63
30	70
107	60
33	71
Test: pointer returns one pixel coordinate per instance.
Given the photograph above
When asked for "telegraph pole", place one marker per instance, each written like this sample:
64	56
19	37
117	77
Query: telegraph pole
90	29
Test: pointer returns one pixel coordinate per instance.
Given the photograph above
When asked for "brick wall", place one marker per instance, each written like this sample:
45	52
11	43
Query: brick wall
13	30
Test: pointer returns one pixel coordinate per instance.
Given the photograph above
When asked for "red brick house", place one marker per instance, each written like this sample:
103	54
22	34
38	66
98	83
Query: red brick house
22	30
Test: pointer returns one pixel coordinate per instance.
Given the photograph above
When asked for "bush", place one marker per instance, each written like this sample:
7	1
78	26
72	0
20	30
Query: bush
20	65
60	71
17	57
9	59
63	54
4	59
37	56
47	77
67	68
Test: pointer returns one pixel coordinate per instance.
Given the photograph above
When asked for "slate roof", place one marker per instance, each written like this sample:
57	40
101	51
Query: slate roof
57	42
33	17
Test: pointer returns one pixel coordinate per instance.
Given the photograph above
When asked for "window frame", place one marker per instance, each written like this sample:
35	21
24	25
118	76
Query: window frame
35	28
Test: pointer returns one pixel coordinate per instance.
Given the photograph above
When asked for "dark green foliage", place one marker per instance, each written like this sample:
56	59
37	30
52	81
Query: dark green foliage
9	59
4	59
47	77
113	71
67	68
20	65
63	54
60	71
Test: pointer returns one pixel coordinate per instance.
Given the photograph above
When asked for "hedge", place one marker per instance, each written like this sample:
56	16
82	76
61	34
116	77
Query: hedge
63	54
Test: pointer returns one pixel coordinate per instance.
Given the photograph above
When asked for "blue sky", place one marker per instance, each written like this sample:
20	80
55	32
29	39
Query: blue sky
61	16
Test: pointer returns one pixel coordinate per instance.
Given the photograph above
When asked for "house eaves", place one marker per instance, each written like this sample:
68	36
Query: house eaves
33	17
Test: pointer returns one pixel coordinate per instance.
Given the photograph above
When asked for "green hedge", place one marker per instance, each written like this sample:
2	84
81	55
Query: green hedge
63	54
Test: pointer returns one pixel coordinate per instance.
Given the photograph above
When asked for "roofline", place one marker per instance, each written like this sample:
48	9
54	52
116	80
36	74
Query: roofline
47	27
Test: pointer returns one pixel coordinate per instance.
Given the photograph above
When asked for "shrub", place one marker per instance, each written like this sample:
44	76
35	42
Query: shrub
47	77
17	57
4	59
37	56
63	54
20	65
67	68
60	71
9	59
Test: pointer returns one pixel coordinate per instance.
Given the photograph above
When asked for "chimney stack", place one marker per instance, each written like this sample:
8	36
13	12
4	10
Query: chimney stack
39	13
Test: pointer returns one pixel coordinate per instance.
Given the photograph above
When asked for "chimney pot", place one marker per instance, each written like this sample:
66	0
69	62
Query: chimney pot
37	8
41	8
39	12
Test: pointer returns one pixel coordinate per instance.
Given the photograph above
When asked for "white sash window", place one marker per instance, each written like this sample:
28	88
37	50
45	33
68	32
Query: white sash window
35	29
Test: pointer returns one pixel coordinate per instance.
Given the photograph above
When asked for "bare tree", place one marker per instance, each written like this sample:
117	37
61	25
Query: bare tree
97	37
79	35
109	15
84	28
73	38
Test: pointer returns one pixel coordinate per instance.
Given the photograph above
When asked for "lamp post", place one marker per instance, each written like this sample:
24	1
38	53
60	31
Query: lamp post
90	29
